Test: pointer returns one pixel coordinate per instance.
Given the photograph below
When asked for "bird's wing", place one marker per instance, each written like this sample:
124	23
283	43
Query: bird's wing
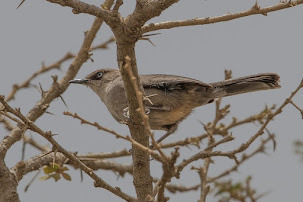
170	82
168	92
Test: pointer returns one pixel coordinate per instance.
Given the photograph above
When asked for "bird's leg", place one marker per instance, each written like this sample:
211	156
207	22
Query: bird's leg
171	130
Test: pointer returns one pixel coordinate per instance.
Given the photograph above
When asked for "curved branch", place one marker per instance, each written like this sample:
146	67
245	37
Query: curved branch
146	10
56	89
232	154
35	163
81	7
28	124
255	10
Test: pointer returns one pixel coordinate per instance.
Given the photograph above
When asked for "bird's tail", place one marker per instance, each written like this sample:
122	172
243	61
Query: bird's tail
246	84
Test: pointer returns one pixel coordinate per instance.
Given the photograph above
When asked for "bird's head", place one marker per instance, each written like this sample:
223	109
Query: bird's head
98	80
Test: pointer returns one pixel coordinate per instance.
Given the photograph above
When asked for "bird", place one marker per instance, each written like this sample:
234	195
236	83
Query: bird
171	98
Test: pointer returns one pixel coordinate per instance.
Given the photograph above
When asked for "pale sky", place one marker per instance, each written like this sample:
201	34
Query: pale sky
43	32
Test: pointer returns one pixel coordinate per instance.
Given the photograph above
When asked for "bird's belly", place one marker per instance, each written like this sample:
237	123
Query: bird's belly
159	119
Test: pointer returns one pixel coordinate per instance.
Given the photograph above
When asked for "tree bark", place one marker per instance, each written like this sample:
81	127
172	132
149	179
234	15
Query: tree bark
141	160
8	187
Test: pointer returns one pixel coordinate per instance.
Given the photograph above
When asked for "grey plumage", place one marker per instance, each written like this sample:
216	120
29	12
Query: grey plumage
173	97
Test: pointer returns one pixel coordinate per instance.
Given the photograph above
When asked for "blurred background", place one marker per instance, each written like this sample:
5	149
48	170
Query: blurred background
40	32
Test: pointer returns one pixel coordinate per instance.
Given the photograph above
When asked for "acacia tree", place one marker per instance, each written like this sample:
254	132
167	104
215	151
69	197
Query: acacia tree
127	32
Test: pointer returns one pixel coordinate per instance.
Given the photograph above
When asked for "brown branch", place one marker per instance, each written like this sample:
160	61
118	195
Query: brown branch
117	5
105	155
141	109
57	147
127	35
168	168
297	107
213	145
244	146
179	188
244	158
55	65
35	163
187	141
95	124
57	88
35	144
7	124
269	118
255	10
117	135
108	165
145	11
203	175
10	117
221	129
26	139
81	7
44	69
220	114
261	116
103	45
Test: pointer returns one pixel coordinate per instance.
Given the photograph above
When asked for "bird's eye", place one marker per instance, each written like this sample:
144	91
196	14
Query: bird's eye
99	75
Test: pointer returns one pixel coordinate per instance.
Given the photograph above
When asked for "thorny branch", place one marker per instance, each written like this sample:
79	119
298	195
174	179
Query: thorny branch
44	69
55	65
244	146
117	135
57	88
169	168
57	147
210	129
255	10
36	162
141	108
206	153
244	157
221	129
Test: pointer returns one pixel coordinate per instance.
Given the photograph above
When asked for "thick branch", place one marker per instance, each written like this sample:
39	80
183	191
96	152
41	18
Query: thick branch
141	159
146	10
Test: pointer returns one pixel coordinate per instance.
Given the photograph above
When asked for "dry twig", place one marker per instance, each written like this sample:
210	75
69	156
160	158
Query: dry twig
255	10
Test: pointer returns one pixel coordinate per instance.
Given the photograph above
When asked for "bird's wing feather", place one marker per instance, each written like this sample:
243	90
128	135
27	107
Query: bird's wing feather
170	82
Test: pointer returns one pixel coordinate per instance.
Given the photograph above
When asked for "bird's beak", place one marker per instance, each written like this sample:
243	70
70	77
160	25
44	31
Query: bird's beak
79	81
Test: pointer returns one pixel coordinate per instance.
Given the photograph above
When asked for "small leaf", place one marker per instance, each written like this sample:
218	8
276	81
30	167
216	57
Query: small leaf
64	168
55	166
48	169
56	176
66	176
43	178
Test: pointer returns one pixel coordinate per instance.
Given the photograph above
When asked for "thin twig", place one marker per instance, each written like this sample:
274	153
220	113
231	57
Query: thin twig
117	135
244	146
57	147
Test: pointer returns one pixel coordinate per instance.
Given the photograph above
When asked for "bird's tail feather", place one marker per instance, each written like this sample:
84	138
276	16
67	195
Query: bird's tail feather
246	84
